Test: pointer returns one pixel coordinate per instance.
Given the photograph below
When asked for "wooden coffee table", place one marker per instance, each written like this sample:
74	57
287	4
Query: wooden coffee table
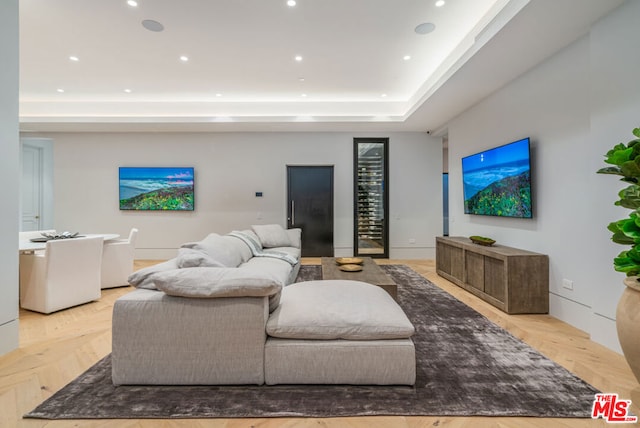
370	273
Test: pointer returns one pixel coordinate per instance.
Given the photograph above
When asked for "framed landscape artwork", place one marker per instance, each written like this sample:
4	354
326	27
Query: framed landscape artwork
156	188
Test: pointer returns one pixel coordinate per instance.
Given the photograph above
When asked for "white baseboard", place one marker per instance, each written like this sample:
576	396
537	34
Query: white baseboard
603	331
574	313
412	253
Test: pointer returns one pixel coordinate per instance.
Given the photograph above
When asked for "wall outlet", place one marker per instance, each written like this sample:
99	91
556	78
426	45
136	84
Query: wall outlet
567	283
412	241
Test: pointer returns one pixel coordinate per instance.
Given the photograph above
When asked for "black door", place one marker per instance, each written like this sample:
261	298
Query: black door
310	207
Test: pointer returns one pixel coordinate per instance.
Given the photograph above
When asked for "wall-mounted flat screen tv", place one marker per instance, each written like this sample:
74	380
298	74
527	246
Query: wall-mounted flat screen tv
497	182
156	188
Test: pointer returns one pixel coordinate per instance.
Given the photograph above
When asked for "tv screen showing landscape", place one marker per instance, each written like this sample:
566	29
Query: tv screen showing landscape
156	189
497	182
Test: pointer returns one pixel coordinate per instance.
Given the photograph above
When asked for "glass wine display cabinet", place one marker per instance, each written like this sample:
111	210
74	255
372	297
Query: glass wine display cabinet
371	194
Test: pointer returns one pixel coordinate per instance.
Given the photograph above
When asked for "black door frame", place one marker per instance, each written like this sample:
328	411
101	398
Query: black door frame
385	196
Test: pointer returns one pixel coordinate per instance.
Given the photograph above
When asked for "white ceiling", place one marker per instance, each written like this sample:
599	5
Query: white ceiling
242	76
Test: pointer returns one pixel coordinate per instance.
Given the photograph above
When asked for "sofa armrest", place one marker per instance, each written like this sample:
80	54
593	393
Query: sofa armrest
295	236
159	339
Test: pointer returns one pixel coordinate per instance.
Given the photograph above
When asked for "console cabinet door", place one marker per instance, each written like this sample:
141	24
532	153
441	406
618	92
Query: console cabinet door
475	270
494	278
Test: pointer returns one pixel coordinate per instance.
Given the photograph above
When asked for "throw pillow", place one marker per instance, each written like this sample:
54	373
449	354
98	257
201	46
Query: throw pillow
272	235
295	236
337	309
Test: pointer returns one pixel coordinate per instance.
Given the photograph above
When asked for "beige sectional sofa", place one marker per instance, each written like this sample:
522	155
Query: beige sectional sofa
225	311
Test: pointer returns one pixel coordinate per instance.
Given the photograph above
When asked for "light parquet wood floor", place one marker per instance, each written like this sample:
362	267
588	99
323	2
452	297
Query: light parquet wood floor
55	349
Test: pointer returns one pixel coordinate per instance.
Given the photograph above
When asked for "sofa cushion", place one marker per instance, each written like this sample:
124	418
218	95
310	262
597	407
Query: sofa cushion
291	251
201	282
338	309
272	235
142	277
225	250
190	257
262	267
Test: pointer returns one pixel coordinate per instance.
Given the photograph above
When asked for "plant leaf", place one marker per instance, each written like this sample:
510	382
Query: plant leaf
628	262
631	168
630	228
610	170
618	235
619	155
629	197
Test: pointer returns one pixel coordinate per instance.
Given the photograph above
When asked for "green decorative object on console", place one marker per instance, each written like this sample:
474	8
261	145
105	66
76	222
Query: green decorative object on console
481	240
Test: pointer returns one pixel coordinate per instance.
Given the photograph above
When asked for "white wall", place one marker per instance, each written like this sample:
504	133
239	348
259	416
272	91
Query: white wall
615	111
568	107
229	169
9	173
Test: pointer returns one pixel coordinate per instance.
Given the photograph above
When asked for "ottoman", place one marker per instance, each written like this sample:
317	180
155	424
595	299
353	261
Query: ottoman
339	332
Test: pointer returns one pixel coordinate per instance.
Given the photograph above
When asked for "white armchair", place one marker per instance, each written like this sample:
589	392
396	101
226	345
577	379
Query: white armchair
65	275
117	260
25	255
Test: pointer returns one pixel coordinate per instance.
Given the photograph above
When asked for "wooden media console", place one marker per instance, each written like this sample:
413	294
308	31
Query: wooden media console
513	280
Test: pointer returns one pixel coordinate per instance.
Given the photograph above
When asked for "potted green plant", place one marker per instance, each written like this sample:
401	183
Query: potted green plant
625	162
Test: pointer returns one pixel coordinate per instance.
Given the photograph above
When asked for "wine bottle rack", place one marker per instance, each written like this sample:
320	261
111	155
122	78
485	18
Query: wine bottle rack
370	166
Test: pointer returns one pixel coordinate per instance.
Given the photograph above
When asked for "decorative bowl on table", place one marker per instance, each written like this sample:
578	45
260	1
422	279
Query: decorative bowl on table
49	236
481	240
350	268
349	261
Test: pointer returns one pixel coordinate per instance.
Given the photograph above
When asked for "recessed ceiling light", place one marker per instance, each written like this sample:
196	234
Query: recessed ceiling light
60	90
425	28
291	3
406	57
128	91
298	58
74	58
383	95
152	25
301	79
184	58
303	95
440	3
132	3
218	95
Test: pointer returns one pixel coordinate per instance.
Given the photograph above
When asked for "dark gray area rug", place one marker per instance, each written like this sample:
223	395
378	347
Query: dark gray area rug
466	366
